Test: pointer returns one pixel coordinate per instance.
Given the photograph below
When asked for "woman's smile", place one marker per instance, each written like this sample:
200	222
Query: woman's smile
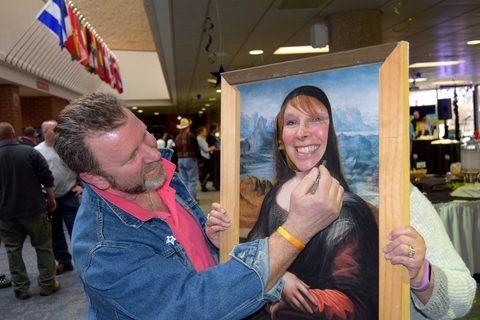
307	149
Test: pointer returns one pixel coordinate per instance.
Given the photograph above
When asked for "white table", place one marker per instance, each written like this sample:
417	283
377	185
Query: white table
462	222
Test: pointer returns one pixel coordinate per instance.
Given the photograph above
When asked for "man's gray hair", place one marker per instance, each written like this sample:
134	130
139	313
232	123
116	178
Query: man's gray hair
90	115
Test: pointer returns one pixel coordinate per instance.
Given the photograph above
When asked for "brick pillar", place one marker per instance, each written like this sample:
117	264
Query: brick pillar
354	29
35	110
10	108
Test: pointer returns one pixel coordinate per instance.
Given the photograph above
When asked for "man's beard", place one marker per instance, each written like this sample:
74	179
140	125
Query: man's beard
154	183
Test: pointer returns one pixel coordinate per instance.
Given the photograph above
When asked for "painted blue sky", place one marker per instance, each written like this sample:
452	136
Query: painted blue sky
350	87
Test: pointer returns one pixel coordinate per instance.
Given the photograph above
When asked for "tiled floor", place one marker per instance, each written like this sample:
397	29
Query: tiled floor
67	304
70	302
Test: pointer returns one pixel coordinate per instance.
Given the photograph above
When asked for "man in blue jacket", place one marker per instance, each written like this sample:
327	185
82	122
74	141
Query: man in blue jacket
141	244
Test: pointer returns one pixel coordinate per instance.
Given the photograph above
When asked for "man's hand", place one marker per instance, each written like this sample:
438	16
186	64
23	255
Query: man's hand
217	221
52	204
311	213
78	190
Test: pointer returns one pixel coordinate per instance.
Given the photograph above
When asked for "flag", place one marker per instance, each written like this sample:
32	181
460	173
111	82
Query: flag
80	36
72	41
54	16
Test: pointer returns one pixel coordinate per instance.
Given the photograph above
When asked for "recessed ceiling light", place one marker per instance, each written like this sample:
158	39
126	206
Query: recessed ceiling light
435	64
203	109
179	118
156	113
207	104
212	99
218	90
472	42
417	79
200	112
301	50
140	111
134	108
255	52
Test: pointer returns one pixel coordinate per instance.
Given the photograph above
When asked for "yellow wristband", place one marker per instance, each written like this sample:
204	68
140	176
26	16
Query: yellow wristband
284	233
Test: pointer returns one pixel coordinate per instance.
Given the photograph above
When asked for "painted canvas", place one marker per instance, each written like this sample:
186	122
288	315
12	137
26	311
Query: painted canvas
353	95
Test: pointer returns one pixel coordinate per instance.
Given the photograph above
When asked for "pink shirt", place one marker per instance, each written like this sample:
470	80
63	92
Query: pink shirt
185	227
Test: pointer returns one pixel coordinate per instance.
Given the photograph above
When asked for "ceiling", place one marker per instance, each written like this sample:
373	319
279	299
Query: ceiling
193	38
438	31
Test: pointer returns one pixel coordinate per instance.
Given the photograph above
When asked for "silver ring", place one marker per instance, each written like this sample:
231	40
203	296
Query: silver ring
411	252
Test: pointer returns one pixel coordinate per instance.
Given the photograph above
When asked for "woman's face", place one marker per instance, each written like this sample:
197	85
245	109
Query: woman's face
305	136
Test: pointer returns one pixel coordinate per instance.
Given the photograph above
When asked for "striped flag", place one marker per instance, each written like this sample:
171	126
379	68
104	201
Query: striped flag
54	15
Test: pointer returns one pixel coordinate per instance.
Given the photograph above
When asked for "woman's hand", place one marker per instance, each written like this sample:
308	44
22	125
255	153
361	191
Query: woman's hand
296	293
216	221
407	247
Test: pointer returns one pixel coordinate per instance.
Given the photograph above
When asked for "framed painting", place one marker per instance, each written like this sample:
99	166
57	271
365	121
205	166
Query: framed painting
368	93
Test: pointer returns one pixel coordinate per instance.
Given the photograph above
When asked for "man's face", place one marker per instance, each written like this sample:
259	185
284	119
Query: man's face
129	158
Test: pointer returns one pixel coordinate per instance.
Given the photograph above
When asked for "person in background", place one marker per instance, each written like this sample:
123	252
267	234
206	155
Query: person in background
67	193
423	130
4	282
23	212
415	120
29	138
160	143
170	140
440	284
188	156
205	165
143	247
214	140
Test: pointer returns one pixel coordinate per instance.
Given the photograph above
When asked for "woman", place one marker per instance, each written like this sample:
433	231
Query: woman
336	276
440	283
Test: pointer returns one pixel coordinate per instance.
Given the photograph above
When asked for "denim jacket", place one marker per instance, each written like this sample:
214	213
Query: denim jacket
129	269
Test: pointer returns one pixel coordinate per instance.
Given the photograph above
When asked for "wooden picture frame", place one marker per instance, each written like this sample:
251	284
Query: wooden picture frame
394	189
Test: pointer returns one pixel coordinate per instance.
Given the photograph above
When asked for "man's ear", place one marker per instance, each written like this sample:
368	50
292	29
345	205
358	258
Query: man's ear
95	180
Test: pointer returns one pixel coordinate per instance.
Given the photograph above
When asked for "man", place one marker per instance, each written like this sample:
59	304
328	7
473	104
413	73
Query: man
142	246
66	194
23	211
188	156
29	138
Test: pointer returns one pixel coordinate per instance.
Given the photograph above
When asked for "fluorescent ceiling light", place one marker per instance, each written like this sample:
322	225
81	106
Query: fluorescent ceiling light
134	108
417	79
472	42
207	104
156	113
212	99
140	111
218	90
301	50
435	64
200	112
450	83
255	52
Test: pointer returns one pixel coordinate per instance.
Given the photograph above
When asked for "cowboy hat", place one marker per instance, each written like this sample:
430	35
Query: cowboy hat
184	123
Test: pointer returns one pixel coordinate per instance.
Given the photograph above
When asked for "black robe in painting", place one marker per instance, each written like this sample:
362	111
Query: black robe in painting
343	257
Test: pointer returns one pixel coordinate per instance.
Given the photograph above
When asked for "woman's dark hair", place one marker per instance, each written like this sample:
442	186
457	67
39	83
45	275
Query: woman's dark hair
284	172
